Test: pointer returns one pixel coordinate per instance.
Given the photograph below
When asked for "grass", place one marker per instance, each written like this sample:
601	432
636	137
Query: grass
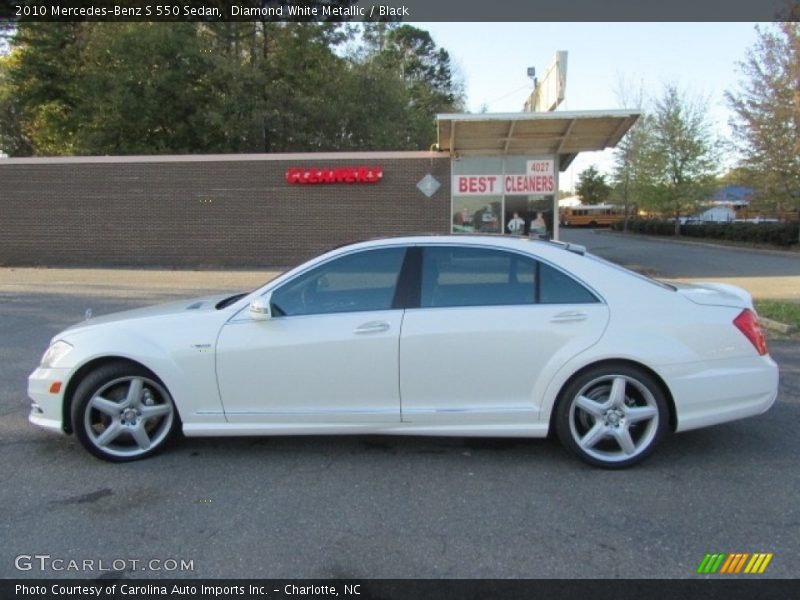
783	312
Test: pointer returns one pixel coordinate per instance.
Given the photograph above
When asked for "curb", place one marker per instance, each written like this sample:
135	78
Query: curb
776	325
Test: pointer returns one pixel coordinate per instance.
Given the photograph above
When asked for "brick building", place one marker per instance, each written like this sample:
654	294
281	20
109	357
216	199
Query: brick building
256	211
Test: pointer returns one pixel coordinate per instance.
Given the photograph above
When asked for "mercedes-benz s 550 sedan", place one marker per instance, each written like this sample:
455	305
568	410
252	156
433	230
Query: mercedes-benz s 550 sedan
432	335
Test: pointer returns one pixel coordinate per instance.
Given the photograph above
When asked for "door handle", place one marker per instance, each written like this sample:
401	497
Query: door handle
372	327
570	316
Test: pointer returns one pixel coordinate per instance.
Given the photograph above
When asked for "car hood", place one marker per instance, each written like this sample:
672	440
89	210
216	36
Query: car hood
715	294
204	304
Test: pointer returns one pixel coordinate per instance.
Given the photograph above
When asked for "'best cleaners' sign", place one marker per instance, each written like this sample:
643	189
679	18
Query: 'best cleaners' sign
539	178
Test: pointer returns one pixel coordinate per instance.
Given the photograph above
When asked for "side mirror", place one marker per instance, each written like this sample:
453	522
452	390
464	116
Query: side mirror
260	308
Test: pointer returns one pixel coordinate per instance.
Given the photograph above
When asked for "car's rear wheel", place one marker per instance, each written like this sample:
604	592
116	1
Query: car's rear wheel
612	416
121	412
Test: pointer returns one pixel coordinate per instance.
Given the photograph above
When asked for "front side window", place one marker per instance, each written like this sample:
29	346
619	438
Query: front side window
475	277
361	281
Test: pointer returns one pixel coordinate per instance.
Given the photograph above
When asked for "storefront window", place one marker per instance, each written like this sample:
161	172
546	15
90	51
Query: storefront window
477	194
477	214
512	194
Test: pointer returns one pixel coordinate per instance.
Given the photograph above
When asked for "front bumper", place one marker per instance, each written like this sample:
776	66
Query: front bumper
47	408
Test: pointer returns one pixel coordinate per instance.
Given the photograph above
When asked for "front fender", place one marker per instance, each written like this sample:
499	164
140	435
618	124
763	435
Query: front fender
177	356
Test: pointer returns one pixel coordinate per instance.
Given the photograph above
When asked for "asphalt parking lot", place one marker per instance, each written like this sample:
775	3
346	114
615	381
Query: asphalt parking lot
766	274
322	507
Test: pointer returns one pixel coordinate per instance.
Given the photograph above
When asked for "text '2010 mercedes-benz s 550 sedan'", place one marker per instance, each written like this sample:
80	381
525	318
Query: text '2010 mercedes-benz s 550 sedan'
450	335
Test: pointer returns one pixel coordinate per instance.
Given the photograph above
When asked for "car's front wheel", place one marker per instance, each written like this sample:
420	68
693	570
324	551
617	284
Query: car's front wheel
121	412
612	416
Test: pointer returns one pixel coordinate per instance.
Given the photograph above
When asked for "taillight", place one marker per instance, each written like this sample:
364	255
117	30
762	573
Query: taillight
747	323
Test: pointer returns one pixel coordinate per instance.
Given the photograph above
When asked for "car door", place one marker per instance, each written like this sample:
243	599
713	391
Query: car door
492	327
329	354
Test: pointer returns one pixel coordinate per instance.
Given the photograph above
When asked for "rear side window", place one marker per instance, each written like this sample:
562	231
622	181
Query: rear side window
462	276
556	287
475	277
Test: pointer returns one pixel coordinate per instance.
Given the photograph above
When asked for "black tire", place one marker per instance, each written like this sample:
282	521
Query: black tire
612	415
121	412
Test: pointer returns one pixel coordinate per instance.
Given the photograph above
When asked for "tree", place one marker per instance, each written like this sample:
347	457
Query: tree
767	114
678	160
154	88
37	91
143	90
592	186
6	31
302	84
12	139
410	55
628	176
741	175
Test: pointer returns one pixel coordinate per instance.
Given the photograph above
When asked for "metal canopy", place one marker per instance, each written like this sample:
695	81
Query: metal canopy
562	133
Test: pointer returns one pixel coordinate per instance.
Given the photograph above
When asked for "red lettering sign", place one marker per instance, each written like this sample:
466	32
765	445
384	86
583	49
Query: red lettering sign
476	185
538	180
334	175
529	184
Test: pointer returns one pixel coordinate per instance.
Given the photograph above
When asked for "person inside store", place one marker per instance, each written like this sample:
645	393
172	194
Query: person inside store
516	224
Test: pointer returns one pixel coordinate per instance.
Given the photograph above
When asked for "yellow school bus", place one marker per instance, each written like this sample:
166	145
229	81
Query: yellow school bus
598	215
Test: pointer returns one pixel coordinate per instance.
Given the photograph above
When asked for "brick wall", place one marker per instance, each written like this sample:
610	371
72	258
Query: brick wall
205	213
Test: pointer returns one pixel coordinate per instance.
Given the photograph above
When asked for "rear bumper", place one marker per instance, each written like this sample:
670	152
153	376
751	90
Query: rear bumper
47	408
714	392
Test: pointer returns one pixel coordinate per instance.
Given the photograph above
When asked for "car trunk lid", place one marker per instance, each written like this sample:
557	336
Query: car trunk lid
715	294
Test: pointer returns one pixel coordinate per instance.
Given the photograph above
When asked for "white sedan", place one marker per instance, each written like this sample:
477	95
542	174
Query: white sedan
434	335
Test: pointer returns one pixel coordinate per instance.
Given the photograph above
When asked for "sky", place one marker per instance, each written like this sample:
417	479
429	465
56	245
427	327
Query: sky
493	58
701	58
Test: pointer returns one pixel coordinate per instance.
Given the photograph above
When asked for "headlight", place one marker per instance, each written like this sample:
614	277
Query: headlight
54	353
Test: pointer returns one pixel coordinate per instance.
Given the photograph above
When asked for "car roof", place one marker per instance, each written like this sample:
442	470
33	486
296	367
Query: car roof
526	244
